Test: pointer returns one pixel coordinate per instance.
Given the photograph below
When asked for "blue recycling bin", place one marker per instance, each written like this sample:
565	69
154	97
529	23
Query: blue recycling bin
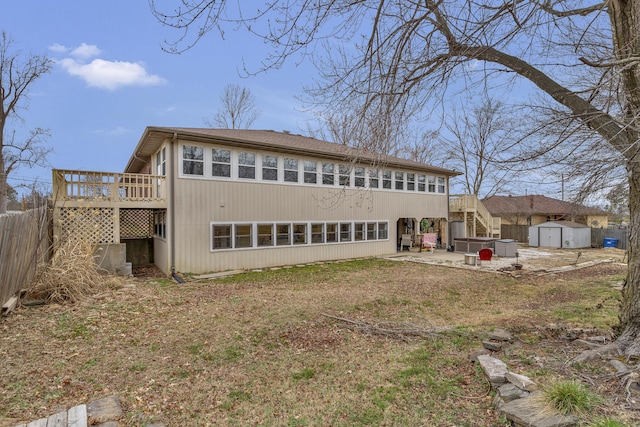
610	243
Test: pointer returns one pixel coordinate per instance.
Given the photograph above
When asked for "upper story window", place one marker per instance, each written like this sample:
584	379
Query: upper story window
221	162
358	173
247	165
411	182
386	180
399	180
422	183
290	170
441	185
161	162
270	168
192	160
310	172
344	173
328	174
374	182
432	184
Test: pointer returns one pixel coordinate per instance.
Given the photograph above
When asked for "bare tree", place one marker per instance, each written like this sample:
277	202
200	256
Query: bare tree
400	57
238	109
475	144
16	77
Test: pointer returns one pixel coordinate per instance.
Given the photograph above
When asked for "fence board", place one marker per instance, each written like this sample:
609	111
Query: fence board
24	243
515	232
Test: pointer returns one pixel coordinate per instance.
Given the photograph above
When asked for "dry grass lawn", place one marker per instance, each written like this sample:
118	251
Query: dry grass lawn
257	349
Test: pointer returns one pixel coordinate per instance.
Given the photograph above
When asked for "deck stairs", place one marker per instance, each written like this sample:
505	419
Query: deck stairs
478	222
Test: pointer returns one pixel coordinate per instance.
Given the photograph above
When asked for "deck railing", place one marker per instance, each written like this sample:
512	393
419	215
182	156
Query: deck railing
107	186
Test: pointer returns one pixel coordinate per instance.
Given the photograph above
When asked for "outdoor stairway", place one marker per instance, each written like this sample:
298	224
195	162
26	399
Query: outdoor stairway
477	219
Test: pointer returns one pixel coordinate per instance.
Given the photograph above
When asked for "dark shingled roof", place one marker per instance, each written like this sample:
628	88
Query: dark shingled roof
282	142
536	204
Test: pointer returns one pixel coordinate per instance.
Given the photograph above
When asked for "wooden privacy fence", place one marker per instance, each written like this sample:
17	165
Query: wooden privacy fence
521	234
24	244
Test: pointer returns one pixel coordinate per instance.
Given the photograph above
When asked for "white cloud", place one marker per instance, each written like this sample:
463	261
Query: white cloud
111	75
58	48
86	51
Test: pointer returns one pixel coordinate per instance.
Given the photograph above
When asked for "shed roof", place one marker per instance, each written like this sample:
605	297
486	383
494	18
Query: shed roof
153	138
559	224
536	204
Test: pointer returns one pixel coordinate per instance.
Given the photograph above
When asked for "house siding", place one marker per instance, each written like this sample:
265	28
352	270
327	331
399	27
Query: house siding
199	202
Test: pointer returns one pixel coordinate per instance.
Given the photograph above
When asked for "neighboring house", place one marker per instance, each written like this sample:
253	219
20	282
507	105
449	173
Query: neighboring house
537	209
208	200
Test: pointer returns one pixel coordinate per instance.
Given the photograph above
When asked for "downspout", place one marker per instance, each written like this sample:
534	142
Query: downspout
172	204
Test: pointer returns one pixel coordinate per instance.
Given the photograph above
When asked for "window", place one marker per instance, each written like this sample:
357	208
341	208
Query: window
386	180
192	160
290	170
299	234
317	233
399	180
283	235
265	235
161	162
373	178
332	233
221	162
243	236
422	183
372	230
247	165
310	172
221	236
269	168
328	174
411	182
441	186
383	230
344	173
359	177
159	224
345	232
432	184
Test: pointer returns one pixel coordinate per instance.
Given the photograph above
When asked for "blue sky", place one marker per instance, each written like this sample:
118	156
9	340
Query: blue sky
111	79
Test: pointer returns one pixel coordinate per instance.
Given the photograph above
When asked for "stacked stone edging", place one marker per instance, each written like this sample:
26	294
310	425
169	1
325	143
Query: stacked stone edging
517	396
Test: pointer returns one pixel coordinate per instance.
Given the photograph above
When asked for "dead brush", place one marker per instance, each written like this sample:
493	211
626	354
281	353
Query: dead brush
73	275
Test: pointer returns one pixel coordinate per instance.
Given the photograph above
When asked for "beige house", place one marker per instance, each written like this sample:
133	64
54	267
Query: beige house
537	209
208	200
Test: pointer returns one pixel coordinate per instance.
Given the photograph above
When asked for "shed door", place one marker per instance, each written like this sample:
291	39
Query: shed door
550	237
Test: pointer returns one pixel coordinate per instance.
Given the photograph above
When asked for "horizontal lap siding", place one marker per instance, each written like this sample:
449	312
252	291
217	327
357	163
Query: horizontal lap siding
200	202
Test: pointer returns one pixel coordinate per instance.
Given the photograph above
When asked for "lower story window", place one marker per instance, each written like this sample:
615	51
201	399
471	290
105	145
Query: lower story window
221	236
263	235
160	224
243	236
372	230
345	232
383	231
283	234
317	233
332	233
299	234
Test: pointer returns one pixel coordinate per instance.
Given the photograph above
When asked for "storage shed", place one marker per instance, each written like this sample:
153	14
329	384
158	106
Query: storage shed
560	234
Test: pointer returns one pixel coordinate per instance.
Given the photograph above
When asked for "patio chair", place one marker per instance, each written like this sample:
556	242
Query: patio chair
406	241
429	240
485	254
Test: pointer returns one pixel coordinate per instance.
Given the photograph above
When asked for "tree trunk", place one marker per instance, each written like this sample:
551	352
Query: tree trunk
630	307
